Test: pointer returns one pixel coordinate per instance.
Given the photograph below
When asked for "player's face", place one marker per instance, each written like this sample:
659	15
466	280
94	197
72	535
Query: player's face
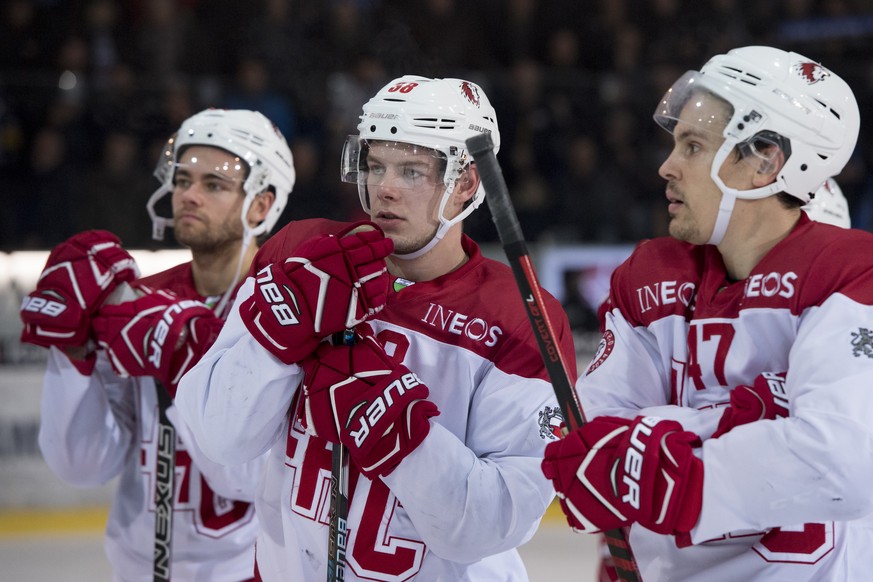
208	198
405	185
693	196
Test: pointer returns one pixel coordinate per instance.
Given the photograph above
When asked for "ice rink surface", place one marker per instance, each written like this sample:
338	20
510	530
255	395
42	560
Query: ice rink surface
68	555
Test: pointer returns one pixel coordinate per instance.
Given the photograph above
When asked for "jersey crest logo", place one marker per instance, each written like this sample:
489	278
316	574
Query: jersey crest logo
812	72
607	343
551	422
862	343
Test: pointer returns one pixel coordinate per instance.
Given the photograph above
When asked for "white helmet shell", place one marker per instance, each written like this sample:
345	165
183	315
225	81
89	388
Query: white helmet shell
246	134
830	205
772	91
439	114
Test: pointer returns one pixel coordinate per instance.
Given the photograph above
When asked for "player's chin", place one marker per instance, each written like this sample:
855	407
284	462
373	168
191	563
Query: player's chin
404	245
190	236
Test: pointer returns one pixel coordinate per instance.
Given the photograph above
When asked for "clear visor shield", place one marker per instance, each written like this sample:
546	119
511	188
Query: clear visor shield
688	101
408	169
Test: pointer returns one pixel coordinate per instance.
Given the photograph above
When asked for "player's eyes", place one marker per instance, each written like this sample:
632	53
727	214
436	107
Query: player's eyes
410	173
215	186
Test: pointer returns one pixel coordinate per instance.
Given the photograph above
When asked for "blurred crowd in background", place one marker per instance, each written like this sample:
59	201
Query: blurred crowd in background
90	90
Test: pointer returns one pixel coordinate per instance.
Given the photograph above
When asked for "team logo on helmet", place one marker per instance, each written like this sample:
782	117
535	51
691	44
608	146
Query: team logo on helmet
551	422
812	72
862	343
470	92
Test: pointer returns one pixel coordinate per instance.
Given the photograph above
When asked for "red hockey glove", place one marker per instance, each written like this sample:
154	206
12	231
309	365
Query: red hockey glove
155	335
333	283
765	399
611	472
357	396
581	465
78	276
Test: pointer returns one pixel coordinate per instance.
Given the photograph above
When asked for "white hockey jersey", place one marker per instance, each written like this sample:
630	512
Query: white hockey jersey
98	426
457	507
783	499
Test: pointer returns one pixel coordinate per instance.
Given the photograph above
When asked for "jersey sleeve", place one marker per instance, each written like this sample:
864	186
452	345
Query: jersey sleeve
489	492
235	400
238	482
816	465
87	422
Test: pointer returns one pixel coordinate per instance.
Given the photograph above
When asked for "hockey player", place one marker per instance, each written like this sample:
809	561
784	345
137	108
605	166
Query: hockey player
445	481
762	399
747	285
830	205
230	173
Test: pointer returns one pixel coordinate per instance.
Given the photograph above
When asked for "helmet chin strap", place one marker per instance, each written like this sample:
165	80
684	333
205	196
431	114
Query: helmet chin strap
222	305
729	196
437	237
443	228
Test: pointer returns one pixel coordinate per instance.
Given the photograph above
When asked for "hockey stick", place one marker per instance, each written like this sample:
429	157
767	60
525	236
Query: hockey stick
481	148
165	487
165	464
339	496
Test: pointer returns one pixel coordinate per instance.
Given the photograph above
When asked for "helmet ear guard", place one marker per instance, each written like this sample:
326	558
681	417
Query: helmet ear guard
768	149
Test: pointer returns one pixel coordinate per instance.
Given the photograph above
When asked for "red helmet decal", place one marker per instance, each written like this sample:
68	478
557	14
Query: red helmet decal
812	72
470	92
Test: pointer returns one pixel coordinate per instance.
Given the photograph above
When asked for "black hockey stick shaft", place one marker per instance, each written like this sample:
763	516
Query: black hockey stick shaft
337	536
511	237
165	487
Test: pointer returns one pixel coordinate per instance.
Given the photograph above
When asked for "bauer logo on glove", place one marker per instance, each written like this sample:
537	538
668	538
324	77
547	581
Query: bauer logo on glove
356	395
612	472
376	409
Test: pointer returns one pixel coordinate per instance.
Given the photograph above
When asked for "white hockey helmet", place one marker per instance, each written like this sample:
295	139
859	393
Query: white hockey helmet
246	134
778	97
829	205
438	114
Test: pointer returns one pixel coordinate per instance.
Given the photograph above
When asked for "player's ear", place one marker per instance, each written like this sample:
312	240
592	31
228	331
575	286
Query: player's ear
467	184
771	159
260	207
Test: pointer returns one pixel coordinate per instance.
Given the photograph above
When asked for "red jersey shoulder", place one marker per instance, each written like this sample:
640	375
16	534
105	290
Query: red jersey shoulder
814	262
660	278
282	244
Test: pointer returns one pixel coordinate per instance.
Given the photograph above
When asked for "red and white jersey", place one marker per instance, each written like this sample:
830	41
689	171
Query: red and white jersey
459	505
100	426
783	499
